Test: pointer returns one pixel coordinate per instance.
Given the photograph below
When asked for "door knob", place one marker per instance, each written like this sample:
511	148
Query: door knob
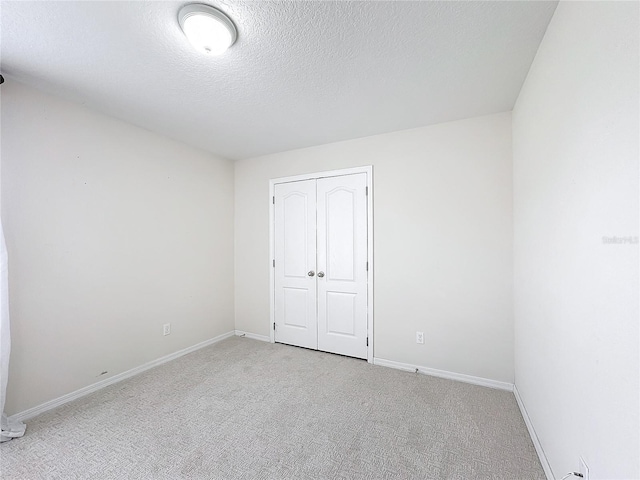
312	273
320	274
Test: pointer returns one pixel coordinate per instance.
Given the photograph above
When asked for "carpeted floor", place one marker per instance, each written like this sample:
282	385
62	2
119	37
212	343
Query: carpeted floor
243	409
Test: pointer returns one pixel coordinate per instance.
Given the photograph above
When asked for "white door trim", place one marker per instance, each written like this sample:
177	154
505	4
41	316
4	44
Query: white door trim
310	176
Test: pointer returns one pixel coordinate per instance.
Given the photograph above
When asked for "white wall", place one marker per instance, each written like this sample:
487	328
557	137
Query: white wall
575	134
112	231
443	241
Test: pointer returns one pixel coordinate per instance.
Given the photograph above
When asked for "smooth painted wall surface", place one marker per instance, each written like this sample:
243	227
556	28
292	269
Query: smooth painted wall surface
112	231
442	241
575	136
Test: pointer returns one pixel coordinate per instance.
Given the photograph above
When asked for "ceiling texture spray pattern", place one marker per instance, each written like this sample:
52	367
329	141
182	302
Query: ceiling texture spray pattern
301	73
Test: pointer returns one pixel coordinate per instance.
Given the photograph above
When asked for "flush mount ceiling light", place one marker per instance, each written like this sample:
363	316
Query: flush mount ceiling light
208	29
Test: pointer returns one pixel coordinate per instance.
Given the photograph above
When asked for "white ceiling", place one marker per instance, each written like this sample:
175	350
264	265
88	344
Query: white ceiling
302	73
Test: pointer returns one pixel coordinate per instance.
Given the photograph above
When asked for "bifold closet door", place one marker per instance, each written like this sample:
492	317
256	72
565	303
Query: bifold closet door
295	264
342	264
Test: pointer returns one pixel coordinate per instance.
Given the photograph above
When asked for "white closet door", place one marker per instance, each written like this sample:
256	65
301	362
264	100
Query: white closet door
295	254
342	264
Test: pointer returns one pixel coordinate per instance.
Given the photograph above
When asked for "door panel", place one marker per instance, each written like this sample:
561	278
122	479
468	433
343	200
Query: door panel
340	207
296	301
295	254
342	258
341	311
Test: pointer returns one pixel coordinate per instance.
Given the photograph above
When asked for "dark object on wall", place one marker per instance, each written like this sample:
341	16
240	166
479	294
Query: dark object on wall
1	79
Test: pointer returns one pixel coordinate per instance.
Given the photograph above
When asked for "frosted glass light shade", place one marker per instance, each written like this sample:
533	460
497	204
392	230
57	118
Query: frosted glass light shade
208	29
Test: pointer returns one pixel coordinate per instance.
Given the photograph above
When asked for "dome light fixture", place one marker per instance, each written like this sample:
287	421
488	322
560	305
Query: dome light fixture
208	29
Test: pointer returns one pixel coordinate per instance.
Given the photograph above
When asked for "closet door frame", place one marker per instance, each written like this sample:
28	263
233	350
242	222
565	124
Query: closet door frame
314	176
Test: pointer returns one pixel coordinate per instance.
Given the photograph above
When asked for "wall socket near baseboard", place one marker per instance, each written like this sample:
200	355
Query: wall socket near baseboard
166	329
583	469
420	337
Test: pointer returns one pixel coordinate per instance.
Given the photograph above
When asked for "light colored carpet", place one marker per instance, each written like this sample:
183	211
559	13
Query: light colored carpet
243	409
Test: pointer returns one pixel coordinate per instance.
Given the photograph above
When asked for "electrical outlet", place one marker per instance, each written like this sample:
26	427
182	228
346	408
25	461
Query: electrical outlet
166	329
583	469
420	337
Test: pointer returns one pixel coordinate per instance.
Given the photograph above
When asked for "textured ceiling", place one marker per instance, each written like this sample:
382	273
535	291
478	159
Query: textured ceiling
302	73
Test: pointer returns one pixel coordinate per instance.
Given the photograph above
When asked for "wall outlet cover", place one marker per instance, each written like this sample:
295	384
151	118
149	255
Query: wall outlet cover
166	329
420	337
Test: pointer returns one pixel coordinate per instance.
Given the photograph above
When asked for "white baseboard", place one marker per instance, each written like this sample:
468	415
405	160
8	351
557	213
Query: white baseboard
534	438
254	336
485	382
56	402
